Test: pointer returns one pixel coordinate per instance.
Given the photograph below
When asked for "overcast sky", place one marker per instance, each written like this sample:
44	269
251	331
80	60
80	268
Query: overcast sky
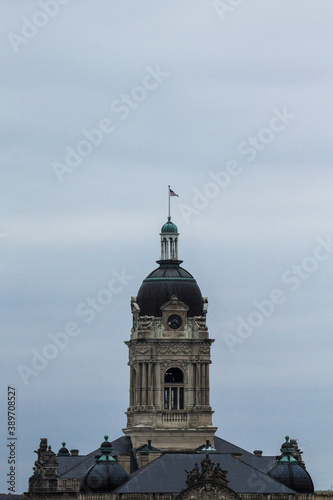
103	105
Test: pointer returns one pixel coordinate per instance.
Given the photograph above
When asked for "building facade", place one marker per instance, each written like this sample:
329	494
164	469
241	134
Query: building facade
169	448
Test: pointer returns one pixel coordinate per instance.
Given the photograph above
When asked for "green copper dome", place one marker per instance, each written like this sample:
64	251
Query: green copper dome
63	452
290	471
169	227
105	474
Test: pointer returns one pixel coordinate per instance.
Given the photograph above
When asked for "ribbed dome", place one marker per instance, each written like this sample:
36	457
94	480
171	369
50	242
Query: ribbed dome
63	452
102	477
167	280
290	472
105	475
169	227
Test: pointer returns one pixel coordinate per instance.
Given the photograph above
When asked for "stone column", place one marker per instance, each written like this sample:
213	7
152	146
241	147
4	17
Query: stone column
207	384
138	385
189	390
131	391
197	385
157	398
144	384
203	383
166	256
150	383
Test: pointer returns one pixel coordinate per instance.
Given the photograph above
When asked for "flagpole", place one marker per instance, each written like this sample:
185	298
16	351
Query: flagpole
169	217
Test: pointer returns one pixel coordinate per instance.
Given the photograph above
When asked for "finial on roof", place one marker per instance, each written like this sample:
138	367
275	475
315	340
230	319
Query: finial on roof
63	452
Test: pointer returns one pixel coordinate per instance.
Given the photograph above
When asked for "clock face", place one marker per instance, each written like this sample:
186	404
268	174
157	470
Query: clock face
174	321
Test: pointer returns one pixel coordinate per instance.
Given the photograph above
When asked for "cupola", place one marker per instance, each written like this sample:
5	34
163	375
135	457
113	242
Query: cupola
106	474
63	452
290	472
169	241
169	279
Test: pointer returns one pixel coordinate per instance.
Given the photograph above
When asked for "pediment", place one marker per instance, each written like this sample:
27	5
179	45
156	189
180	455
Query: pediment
174	304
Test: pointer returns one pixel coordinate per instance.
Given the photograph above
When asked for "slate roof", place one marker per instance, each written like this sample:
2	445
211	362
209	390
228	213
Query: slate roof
167	474
247	474
264	463
76	467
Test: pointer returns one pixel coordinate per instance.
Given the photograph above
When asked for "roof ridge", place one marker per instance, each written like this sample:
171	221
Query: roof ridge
232	444
78	463
260	471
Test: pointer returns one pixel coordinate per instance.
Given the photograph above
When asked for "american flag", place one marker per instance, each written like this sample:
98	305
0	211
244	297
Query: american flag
172	193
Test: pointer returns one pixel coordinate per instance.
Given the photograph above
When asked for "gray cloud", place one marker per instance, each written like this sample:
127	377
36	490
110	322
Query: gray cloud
224	80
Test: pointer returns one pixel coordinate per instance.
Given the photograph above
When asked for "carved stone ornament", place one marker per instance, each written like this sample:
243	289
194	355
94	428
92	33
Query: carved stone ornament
145	323
159	328
204	350
210	483
188	327
45	466
140	350
134	305
38	475
206	491
201	323
173	349
182	363
209	471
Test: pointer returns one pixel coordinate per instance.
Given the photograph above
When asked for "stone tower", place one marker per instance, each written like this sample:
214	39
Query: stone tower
169	357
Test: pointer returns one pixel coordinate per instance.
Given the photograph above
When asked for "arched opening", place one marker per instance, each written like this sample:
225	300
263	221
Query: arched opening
173	389
173	375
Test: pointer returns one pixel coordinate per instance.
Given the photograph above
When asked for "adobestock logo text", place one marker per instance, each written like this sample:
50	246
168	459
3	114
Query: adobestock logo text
58	341
122	107
30	27
293	279
249	148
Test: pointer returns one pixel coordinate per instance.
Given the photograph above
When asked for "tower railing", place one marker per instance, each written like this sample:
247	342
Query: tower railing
174	417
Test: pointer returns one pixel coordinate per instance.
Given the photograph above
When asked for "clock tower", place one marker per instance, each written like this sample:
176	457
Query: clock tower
169	357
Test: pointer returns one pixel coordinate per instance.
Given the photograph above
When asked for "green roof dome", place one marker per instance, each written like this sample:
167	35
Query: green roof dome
105	474
63	452
290	472
169	227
